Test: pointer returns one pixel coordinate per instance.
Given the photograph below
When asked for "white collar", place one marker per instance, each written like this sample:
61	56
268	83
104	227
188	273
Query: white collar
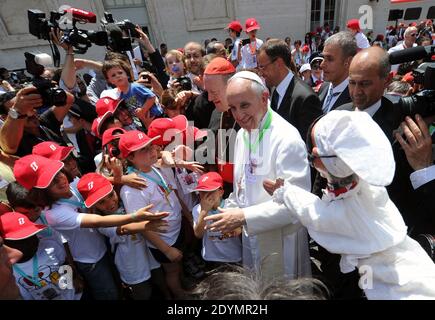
341	87
282	87
372	109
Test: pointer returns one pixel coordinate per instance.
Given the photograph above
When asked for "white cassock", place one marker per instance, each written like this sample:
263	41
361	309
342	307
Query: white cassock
365	227
281	153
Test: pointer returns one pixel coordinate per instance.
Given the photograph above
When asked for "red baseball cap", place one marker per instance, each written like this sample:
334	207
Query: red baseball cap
413	24
353	24
132	141
210	181
305	49
111	134
219	66
52	150
235	25
408	78
34	171
16	226
98	123
251	24
93	187
158	128
106	104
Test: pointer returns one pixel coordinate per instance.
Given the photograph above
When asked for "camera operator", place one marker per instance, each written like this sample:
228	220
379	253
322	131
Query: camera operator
155	58
24	128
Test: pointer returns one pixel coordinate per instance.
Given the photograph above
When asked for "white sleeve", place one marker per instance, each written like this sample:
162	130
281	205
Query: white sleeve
64	218
195	213
267	216
423	176
110	232
133	199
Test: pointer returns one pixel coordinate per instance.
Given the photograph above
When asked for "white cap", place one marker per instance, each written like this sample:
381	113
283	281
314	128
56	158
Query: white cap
305	67
360	145
249	76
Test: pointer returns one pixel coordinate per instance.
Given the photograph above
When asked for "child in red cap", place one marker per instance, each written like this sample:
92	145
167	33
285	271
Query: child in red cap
217	248
361	40
131	254
248	53
142	155
49	187
38	273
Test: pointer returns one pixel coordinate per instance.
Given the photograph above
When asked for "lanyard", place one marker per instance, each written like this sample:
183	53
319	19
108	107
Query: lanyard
253	147
253	49
44	221
78	204
161	182
33	279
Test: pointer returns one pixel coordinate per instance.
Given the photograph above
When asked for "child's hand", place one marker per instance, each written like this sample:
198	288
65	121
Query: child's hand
174	254
144	215
160	226
134	181
114	165
207	201
270	186
144	116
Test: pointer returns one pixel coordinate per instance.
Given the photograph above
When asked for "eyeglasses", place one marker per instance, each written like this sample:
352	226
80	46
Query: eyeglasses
315	67
311	157
264	66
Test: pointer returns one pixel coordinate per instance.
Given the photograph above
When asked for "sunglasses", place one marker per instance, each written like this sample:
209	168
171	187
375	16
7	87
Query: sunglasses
310	156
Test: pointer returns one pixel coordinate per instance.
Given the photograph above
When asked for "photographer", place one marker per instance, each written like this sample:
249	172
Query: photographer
24	128
417	145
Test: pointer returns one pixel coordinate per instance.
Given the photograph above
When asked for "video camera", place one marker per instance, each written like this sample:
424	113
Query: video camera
423	102
110	36
50	93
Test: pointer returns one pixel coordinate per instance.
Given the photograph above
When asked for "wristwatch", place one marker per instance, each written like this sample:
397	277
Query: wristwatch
14	114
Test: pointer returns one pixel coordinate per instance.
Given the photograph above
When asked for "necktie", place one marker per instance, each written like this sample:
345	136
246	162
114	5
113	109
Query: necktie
326	106
274	102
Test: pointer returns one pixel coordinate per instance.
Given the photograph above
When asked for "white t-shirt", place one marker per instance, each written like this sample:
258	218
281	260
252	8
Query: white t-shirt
361	41
249	59
135	199
132	256
235	51
214	247
86	244
49	257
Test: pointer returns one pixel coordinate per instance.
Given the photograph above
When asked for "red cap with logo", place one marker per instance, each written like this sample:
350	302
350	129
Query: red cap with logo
179	123
219	66
353	24
98	123
16	226
34	171
251	24
106	104
93	187
132	141
111	134
210	181
52	150
235	25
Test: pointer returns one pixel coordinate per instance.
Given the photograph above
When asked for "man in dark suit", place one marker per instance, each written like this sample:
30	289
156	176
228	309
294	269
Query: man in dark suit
338	53
368	78
292	98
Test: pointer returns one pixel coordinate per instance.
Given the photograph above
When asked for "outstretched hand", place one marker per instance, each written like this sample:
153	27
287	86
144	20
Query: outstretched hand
143	214
226	221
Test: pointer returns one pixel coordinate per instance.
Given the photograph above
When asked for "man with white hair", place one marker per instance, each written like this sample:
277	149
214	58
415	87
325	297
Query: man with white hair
409	42
267	147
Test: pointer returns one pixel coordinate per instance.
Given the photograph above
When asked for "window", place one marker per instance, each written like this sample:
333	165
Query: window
395	15
412	13
322	11
315	14
431	13
123	3
329	13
